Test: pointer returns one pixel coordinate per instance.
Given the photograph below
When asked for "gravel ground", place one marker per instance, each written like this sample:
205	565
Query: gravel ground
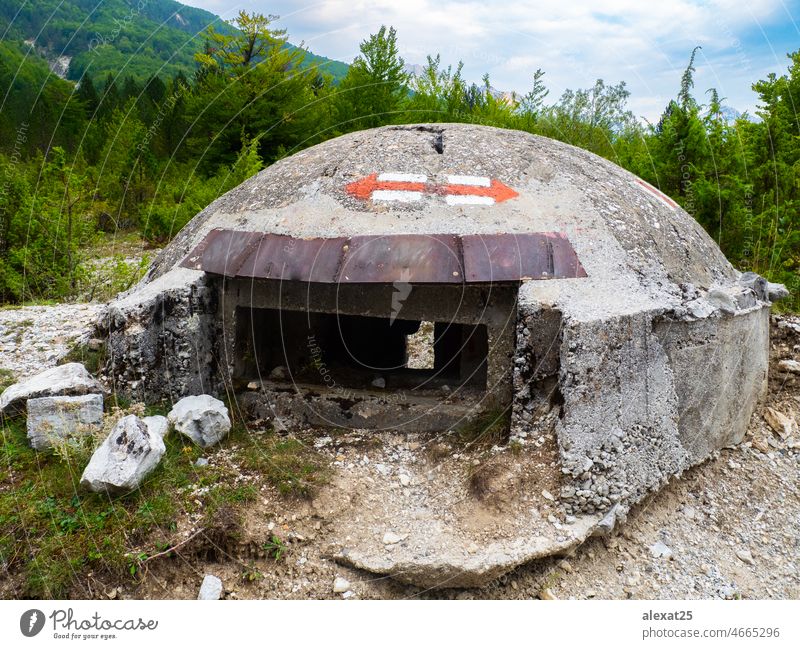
729	528
33	338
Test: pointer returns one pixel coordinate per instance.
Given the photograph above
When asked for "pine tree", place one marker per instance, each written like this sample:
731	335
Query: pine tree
375	90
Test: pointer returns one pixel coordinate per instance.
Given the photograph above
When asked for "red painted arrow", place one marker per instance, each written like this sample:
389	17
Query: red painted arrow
364	187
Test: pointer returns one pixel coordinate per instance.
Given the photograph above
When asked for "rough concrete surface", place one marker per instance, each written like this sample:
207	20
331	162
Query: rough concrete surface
618	392
69	379
58	418
125	457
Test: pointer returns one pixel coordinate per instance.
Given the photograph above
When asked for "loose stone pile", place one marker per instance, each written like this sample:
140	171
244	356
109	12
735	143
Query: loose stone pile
64	405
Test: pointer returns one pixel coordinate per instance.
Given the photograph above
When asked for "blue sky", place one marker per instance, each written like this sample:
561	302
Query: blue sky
645	43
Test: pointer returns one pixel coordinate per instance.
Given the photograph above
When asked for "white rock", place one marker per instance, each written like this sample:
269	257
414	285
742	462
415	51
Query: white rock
660	550
341	585
158	425
126	456
211	588
70	379
789	366
202	418
201	461
52	418
547	495
745	557
405	480
390	538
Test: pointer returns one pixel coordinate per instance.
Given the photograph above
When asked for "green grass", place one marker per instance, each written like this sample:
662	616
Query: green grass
488	428
286	463
53	533
6	378
92	359
56	540
275	547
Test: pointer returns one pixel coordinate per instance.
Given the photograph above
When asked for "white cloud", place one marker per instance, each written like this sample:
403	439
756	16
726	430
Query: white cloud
647	44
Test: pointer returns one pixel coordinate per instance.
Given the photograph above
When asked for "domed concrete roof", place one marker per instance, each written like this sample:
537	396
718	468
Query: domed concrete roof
461	179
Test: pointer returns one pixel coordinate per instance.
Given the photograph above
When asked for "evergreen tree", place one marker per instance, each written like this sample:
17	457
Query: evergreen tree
87	95
375	91
252	88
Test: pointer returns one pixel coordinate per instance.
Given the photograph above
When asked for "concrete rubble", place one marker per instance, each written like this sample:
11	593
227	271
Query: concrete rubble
70	379
52	419
203	419
125	458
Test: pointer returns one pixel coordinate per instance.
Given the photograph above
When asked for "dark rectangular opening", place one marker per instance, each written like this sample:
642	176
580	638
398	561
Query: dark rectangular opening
358	351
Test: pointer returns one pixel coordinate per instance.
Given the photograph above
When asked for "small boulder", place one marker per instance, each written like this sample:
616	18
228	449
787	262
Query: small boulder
777	291
790	366
158	425
70	379
341	585
127	455
211	588
57	418
780	423
203	419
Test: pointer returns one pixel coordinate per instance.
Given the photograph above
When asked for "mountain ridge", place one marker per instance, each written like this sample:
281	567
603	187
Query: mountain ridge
98	37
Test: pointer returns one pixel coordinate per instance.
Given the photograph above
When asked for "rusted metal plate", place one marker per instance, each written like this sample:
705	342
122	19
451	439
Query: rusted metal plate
498	258
565	260
222	251
514	257
413	258
289	258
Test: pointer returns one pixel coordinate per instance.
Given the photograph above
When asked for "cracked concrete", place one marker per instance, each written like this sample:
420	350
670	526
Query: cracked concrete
641	369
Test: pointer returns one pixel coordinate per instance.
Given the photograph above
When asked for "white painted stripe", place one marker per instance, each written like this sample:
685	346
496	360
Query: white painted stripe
474	181
393	176
454	199
393	195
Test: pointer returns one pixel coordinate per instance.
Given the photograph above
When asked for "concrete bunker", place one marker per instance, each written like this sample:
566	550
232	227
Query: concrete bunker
371	282
333	335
